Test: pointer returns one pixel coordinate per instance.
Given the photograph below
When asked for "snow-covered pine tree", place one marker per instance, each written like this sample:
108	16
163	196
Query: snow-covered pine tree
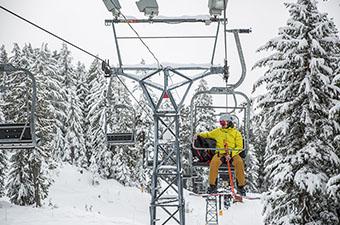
3	54
93	168
97	118
82	92
145	140
300	155
44	67
74	148
3	81
4	60
205	118
84	97
120	166
3	155
185	144
333	185
63	72
258	136
16	91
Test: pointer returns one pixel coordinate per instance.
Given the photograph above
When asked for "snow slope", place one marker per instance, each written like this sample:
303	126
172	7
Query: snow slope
73	200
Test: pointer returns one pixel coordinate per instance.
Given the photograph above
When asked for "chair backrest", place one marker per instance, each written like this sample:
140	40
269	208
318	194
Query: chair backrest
120	138
15	136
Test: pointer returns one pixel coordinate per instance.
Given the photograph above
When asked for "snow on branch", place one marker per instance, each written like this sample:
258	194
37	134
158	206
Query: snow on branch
281	128
333	187
309	181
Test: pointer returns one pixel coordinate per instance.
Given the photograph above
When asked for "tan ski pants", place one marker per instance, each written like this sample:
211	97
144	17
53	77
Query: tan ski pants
238	165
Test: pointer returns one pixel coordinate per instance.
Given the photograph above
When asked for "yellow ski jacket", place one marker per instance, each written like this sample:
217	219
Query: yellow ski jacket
230	135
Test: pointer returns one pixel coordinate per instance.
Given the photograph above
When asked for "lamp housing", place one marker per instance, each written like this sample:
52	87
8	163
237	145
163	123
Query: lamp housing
113	6
216	7
148	7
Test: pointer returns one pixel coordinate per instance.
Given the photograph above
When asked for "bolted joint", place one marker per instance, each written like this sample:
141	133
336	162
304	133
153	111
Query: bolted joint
117	70
106	68
225	71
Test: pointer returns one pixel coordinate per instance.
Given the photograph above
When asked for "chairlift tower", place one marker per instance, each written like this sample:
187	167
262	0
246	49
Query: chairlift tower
166	155
167	197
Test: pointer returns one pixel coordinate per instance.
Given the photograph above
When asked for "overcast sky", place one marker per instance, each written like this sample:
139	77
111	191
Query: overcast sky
82	23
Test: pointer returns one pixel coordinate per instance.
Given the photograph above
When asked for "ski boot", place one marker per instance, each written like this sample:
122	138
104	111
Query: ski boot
241	191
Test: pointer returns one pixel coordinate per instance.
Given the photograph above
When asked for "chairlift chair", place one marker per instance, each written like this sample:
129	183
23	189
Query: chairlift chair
229	90
225	109
120	137
19	135
123	137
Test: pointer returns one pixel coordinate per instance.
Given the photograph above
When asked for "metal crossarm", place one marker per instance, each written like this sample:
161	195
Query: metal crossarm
169	20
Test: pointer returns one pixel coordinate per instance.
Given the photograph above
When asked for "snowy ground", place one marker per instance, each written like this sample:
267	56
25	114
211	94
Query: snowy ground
73	200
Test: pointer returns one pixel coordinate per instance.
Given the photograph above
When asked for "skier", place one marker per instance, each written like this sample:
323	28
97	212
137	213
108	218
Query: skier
227	137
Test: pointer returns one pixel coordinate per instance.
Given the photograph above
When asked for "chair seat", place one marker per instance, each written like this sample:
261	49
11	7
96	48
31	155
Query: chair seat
16	145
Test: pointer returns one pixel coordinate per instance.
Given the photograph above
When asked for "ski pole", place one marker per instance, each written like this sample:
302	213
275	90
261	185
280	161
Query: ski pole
236	197
229	168
230	177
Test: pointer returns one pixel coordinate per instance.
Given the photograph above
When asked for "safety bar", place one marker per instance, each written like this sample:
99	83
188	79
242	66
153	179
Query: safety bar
202	149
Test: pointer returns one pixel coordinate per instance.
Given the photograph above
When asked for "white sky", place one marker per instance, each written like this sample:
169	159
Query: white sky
82	23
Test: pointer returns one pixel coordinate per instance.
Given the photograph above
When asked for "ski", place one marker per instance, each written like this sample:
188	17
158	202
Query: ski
225	194
251	198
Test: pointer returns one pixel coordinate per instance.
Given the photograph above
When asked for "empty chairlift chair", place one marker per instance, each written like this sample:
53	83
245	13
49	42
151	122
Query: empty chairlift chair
116	135
19	135
122	137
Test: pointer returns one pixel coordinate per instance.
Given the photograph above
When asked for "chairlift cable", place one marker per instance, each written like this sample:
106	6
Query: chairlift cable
226	67
226	73
147	47
224	32
54	35
75	46
143	107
